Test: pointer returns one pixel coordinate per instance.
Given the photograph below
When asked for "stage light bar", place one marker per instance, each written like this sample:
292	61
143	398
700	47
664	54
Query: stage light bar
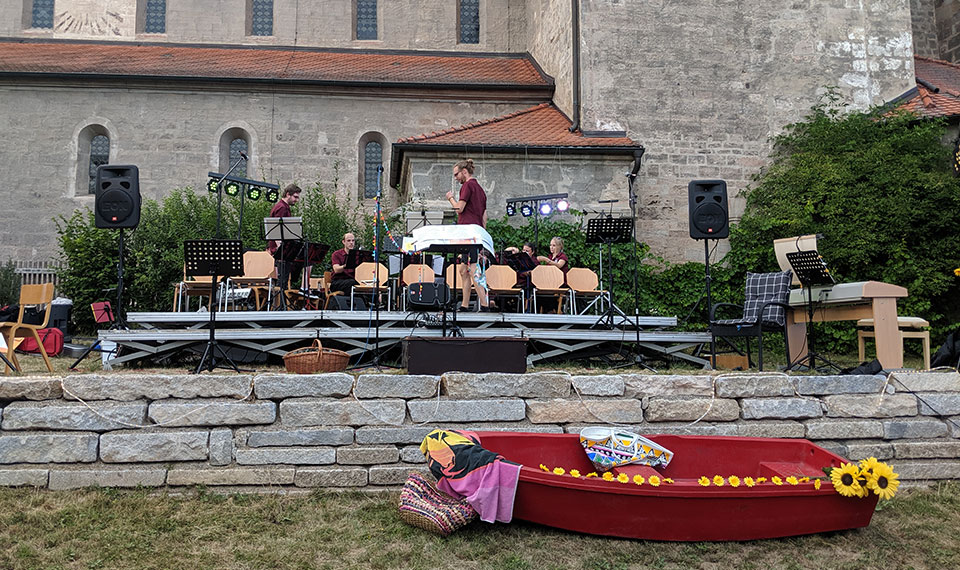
562	205
545	209
273	194
511	210
254	193
231	189
526	210
212	185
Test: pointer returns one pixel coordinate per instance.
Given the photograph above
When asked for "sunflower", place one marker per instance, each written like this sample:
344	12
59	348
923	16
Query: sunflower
638	479
793	480
868	465
608	476
749	482
704	481
734	481
761	479
804	479
558	471
816	484
718	480
844	479
623	478
574	473
884	481
776	480
654	480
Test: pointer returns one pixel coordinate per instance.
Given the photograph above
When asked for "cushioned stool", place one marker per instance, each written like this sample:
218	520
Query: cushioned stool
910	327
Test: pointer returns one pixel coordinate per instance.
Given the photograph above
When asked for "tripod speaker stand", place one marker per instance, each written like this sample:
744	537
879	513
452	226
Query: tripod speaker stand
811	270
216	258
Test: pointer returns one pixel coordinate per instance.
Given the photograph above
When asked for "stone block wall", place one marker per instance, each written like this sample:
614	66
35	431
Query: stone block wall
336	430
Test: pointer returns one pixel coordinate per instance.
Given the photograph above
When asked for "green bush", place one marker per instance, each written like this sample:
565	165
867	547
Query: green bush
9	284
153	260
880	189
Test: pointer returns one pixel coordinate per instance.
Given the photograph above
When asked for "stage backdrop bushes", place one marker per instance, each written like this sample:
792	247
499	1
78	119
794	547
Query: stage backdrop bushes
154	250
9	284
881	190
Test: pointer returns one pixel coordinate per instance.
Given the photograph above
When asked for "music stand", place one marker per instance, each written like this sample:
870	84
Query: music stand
102	313
283	230
215	258
609	230
811	270
309	254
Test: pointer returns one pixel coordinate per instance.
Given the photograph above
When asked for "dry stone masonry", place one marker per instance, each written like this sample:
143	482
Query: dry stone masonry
279	431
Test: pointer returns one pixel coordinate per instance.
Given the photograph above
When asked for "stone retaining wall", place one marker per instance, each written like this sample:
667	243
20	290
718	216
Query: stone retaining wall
335	430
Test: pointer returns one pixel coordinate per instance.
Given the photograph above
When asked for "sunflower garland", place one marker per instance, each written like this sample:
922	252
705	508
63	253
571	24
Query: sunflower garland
849	480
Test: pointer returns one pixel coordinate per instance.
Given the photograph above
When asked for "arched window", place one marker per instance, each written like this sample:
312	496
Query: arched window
42	16
469	21
155	16
237	146
99	155
366	19
260	17
372	160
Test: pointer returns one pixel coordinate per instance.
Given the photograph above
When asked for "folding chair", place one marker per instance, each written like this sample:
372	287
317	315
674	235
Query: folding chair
583	283
259	271
502	282
366	276
548	282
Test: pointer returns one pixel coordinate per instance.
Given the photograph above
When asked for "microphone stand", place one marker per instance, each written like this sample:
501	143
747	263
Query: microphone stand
220	189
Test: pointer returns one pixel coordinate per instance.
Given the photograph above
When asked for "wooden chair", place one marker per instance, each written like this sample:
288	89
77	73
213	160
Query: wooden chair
583	283
415	273
502	282
259	271
198	286
30	296
327	293
548	282
448	275
366	275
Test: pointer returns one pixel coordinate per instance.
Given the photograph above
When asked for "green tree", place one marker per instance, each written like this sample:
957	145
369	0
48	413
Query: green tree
879	188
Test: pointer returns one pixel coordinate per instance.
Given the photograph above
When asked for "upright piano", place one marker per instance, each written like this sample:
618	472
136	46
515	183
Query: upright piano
849	302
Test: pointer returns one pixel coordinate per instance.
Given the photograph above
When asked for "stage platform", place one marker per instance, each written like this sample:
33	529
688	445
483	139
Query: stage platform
154	336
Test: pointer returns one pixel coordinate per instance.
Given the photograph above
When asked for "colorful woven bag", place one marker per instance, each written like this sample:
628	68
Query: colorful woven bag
423	506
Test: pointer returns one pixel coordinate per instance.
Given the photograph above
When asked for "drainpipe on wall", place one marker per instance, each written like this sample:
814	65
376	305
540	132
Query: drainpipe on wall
575	41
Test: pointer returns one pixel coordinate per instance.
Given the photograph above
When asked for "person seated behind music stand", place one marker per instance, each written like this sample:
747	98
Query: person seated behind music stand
559	260
344	266
523	276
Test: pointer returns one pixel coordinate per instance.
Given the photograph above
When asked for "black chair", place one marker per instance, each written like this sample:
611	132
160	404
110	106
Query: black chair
764	310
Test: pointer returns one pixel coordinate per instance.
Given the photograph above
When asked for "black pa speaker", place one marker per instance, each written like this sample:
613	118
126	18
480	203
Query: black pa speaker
117	202
342	303
708	209
427	296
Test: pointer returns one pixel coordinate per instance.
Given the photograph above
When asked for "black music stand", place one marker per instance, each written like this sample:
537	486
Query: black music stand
811	270
215	258
284	230
102	313
309	254
609	230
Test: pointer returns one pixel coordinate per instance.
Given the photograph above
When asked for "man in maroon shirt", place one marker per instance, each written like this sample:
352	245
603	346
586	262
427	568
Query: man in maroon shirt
291	195
471	209
343	278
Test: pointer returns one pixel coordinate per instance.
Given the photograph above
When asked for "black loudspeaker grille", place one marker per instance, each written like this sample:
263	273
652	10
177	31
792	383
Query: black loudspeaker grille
117	200
709	213
427	296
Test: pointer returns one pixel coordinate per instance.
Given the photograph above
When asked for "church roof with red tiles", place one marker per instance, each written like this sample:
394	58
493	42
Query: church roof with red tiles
269	63
541	126
938	89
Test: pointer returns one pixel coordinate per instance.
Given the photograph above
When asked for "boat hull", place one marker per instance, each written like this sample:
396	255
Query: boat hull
683	510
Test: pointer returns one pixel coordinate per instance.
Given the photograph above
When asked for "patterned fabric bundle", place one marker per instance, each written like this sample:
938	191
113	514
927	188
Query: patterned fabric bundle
423	506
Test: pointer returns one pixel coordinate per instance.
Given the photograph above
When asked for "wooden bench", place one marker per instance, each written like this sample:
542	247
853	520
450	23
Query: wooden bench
910	327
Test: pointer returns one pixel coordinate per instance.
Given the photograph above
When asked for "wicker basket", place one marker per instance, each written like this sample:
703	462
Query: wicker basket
315	359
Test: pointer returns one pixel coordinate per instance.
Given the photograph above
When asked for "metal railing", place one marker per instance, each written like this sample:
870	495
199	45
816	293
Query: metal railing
34	272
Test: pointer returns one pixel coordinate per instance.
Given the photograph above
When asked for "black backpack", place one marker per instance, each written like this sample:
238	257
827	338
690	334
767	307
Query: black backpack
949	353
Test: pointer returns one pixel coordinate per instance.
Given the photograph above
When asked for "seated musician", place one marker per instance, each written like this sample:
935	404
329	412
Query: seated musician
559	260
344	277
523	277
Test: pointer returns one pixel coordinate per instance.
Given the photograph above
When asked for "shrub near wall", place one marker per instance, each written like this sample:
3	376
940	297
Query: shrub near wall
335	430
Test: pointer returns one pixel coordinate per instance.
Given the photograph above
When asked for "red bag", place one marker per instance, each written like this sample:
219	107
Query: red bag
52	342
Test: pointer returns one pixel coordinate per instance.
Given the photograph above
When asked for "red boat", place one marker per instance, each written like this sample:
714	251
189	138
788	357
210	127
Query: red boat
684	510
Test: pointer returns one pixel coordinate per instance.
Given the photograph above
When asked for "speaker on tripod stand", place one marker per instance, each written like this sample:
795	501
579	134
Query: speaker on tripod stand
709	219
